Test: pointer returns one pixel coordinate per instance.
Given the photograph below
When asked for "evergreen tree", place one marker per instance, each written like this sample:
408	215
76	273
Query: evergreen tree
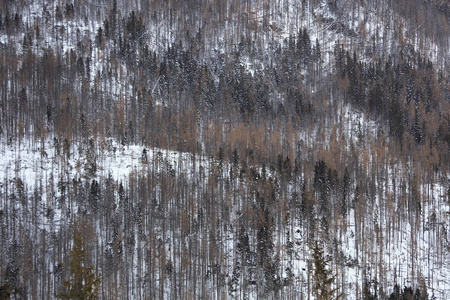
5	291
323	277
84	282
367	293
396	294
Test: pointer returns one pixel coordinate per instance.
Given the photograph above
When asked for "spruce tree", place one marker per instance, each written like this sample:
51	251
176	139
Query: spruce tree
83	282
323	277
5	291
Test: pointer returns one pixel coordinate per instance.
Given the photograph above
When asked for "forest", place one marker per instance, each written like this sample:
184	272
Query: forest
212	149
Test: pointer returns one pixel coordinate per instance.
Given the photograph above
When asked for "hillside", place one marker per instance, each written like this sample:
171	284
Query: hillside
226	149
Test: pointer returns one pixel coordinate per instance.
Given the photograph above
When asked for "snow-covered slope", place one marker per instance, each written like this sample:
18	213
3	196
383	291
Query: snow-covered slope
226	218
384	252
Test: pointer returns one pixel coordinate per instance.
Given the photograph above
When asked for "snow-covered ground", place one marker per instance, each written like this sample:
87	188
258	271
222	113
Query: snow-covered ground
389	257
42	166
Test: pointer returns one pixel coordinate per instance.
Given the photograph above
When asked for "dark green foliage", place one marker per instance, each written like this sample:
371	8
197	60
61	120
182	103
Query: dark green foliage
5	291
395	295
307	203
84	282
323	276
408	293
94	195
134	29
144	158
91	159
367	293
386	90
322	184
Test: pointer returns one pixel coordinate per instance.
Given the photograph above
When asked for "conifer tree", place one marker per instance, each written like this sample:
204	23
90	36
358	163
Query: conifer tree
5	291
323	277
84	282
